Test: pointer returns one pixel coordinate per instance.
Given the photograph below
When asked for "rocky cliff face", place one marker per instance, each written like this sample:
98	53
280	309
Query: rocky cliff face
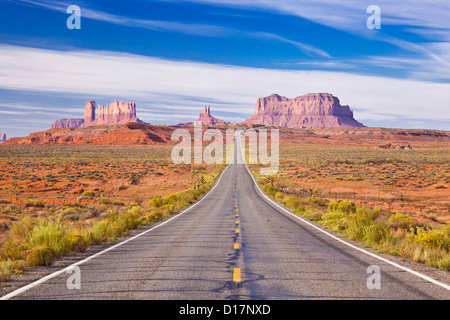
89	112
67	123
313	110
2	137
117	112
206	118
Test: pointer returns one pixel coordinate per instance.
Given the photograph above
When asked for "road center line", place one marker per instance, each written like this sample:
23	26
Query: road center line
237	275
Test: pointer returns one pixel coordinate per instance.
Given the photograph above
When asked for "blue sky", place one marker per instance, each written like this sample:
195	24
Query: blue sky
172	57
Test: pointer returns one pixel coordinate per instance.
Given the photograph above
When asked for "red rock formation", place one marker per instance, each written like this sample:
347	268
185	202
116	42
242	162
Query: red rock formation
89	112
313	110
206	118
117	112
114	113
67	123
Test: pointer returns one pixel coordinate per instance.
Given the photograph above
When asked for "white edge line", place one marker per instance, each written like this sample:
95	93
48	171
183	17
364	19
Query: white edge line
57	273
434	281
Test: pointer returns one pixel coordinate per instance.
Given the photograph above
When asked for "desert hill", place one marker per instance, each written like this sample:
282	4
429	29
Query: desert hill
141	134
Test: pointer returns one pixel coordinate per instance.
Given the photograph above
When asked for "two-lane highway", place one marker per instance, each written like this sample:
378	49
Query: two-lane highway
235	243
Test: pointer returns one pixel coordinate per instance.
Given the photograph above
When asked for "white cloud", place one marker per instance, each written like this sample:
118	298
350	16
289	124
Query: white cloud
157	83
196	29
426	18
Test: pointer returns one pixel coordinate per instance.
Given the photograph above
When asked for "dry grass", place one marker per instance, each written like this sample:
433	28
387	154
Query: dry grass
392	233
39	226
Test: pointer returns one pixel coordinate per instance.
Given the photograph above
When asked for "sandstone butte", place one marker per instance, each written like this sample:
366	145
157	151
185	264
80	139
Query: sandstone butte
206	118
117	112
312	110
2	136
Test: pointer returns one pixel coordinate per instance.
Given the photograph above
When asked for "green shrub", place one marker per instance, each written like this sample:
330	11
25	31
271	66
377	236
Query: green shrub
71	217
6	270
35	203
313	214
429	238
315	200
400	221
41	255
156	202
67	211
279	196
269	190
50	234
292	202
21	229
345	206
90	194
118	203
103	200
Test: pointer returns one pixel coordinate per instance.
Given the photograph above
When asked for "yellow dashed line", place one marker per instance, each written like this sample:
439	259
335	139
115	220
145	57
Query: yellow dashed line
237	230
237	221
237	275
236	245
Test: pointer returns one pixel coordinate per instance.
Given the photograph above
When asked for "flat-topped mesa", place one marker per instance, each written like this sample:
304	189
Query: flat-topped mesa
206	118
2	136
117	112
67	123
313	110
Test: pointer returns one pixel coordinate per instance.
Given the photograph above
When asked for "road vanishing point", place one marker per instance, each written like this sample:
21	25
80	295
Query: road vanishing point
236	243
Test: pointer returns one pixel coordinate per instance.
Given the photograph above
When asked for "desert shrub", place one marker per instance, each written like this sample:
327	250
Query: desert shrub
269	190
156	202
21	229
71	217
400	221
103	200
118	203
41	255
370	214
344	206
429	238
66	211
51	234
444	264
335	220
279	196
369	232
292	202
35	203
6	270
88	194
315	200
311	213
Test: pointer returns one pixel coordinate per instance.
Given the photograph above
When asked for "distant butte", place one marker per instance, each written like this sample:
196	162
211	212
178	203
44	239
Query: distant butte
206	118
312	110
117	112
2	137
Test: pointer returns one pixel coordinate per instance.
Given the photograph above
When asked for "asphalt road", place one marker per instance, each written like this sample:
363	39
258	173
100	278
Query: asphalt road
236	244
